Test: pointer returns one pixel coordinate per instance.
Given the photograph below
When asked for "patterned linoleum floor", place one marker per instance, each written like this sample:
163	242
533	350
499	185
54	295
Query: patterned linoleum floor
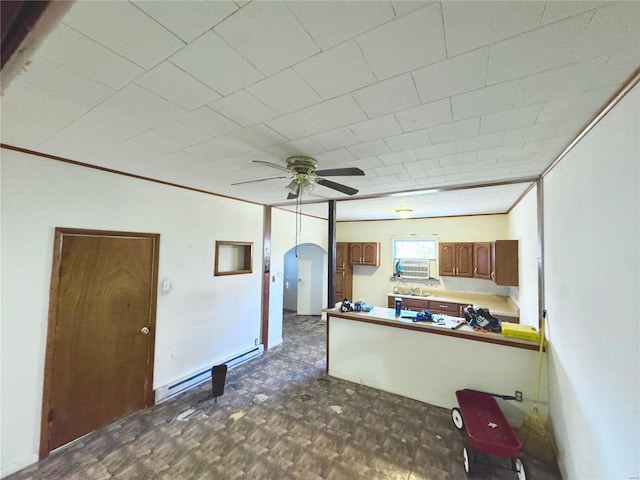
280	418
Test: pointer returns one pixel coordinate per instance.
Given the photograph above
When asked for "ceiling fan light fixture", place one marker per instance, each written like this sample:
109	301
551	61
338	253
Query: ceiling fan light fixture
404	212
303	184
306	186
293	186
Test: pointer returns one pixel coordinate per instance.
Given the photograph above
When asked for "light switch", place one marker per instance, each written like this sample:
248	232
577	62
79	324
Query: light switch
166	285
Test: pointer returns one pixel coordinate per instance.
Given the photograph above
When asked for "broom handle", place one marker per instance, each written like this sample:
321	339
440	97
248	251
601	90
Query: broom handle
542	322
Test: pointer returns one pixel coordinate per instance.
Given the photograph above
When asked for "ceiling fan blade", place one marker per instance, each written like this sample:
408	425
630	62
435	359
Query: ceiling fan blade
336	186
269	164
258	180
336	172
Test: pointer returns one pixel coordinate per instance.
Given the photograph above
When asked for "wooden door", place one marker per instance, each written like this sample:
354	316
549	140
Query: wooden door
99	364
370	254
446	259
482	260
464	259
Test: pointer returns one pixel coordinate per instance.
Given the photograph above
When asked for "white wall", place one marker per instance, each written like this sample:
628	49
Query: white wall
592	281
202	320
523	226
392	359
372	283
283	238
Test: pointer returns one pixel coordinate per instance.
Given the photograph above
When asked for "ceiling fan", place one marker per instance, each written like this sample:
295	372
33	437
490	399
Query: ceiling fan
304	176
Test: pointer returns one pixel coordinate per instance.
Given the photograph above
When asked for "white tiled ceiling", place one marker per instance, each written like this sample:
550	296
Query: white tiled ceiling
421	95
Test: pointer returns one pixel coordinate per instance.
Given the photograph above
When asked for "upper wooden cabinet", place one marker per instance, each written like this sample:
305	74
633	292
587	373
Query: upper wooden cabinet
366	253
456	259
497	261
504	262
482	260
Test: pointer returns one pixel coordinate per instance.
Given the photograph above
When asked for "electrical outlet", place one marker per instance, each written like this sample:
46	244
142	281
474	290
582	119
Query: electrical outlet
255	342
518	396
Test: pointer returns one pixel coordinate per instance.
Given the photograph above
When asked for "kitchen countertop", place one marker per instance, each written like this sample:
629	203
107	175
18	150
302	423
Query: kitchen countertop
387	316
497	305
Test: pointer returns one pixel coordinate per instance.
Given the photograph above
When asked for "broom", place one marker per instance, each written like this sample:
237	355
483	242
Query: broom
536	441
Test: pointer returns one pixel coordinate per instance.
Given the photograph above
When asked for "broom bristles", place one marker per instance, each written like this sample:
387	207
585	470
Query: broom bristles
536	441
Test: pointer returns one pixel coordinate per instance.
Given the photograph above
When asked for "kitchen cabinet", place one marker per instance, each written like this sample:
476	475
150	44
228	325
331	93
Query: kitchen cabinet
344	273
453	306
482	260
455	259
507	318
364	253
504	262
446	308
497	261
412	304
434	306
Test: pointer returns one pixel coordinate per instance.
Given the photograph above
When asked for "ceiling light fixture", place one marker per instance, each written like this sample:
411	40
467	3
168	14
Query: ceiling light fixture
300	182
404	212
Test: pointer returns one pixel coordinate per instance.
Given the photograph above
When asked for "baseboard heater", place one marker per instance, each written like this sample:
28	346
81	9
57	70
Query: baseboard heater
181	385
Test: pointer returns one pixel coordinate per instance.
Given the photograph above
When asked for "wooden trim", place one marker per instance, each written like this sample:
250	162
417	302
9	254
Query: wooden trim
421	218
299	213
521	197
613	100
423	191
331	248
326	367
153	314
247	267
118	172
540	247
266	277
478	337
51	336
60	232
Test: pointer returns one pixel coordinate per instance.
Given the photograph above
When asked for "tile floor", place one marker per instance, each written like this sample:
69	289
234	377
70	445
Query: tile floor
280	418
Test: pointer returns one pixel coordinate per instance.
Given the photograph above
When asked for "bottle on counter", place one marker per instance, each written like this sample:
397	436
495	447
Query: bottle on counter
398	305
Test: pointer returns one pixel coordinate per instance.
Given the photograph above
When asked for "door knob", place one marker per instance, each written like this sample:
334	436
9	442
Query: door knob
145	330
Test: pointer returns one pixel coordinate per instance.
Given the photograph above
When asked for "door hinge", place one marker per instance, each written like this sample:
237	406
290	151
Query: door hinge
50	416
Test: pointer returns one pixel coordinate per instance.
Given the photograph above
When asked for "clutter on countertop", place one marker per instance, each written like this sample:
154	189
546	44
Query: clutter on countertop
359	306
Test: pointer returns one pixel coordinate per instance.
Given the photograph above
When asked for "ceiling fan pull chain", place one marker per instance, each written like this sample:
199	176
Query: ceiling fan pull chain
298	219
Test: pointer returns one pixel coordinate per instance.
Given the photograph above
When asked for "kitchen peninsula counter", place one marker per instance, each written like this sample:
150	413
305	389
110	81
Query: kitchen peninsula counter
453	326
428	362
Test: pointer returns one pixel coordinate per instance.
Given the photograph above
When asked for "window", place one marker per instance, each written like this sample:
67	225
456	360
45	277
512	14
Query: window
412	258
417	249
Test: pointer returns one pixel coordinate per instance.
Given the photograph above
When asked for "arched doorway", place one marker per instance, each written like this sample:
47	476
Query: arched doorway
305	283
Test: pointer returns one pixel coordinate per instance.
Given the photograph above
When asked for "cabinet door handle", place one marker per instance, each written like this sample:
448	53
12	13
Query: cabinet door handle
475	271
493	275
343	274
